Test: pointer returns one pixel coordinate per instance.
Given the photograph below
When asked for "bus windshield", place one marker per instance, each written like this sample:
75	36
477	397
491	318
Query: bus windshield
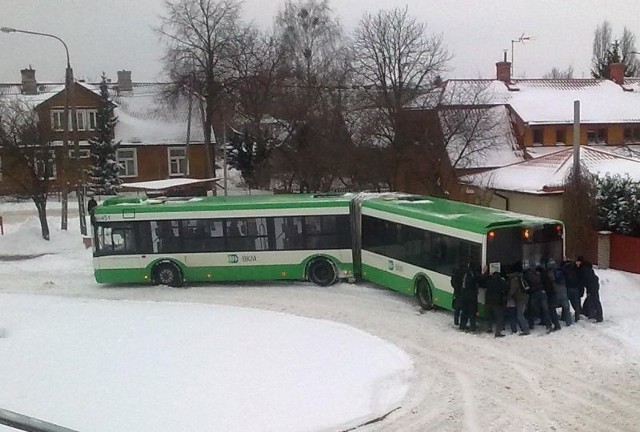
525	247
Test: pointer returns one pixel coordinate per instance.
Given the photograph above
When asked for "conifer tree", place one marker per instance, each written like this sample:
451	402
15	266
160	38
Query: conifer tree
105	170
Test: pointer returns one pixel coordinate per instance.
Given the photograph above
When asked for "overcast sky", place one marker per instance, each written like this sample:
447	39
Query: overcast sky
111	35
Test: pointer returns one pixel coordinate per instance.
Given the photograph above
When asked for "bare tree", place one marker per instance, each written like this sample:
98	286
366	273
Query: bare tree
312	101
28	161
556	73
607	50
396	58
200	35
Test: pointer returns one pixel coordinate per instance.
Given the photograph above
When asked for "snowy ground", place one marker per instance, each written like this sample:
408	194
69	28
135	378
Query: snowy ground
114	358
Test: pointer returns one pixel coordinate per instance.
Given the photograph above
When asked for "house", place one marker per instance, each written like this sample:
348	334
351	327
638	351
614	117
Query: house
152	133
535	186
527	119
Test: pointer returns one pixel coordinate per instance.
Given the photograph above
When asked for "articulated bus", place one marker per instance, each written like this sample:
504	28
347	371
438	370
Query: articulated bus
407	243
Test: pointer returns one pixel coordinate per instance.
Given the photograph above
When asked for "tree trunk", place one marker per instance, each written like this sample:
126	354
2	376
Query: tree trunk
41	205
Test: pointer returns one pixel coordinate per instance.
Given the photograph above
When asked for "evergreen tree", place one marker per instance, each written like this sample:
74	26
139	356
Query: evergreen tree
618	202
246	153
105	170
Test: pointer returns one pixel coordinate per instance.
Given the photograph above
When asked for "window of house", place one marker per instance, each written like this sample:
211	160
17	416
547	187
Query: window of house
92	119
597	136
632	134
57	117
128	160
177	161
80	118
84	154
537	136
561	136
46	169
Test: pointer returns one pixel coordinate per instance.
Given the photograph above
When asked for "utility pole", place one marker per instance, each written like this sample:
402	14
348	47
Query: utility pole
68	84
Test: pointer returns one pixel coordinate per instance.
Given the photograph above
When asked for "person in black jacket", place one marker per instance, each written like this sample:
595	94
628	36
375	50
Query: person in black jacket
592	308
495	301
538	306
547	284
469	300
574	290
456	284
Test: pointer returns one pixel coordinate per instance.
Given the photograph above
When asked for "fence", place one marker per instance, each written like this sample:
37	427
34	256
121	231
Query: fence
619	252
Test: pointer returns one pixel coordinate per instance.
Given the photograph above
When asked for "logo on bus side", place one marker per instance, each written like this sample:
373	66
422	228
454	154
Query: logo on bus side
390	265
235	259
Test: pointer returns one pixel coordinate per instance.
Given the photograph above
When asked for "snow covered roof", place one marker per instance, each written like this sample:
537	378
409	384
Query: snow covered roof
546	101
144	117
479	138
547	174
162	185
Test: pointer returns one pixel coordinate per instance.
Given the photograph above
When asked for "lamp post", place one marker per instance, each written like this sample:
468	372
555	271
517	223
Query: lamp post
522	39
69	101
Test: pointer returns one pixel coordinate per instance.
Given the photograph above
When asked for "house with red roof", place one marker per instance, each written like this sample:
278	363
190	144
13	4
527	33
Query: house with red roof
526	153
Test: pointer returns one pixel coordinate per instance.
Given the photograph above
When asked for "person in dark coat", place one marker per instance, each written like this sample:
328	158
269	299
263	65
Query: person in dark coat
519	297
592	308
456	284
538	306
550	291
90	206
572	283
469	300
495	301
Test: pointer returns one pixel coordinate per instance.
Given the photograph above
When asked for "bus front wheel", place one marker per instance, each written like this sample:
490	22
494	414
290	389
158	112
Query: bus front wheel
423	292
167	274
322	272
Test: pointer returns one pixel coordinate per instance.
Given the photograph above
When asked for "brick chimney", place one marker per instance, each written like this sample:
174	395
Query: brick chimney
503	70
29	83
124	81
616	73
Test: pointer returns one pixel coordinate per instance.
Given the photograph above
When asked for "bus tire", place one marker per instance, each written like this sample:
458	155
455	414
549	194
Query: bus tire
167	273
322	272
424	294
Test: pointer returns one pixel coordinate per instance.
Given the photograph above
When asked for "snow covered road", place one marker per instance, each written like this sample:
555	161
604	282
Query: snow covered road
583	378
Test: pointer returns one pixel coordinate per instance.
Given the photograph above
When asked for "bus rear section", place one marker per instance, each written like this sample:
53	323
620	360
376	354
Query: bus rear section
530	244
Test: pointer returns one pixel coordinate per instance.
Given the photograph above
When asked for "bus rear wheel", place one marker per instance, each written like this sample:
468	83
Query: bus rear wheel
423	293
322	272
167	274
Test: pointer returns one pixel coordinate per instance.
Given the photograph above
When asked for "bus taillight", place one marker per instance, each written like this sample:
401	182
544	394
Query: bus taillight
559	230
526	234
491	234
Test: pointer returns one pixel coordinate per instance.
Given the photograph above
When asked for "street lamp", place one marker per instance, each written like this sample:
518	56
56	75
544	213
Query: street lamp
69	101
522	39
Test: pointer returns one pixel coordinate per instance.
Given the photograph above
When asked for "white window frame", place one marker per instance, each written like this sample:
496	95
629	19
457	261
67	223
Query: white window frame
176	160
84	153
123	161
52	161
92	119
81	120
56	120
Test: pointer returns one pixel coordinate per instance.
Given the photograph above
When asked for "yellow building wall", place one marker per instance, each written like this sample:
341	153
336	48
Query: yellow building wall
615	133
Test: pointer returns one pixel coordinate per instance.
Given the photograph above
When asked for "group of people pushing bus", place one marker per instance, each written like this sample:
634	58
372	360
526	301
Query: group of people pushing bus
527	298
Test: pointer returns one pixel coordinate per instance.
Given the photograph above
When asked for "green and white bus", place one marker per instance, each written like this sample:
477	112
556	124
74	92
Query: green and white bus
262	237
408	243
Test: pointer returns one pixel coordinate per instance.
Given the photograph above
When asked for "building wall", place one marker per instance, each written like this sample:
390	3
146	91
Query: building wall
538	205
614	133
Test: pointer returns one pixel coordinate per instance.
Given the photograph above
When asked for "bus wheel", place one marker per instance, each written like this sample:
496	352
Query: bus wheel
167	274
423	292
322	272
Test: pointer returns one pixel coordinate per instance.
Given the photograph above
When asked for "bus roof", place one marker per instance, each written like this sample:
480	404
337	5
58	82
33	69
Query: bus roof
452	213
218	203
